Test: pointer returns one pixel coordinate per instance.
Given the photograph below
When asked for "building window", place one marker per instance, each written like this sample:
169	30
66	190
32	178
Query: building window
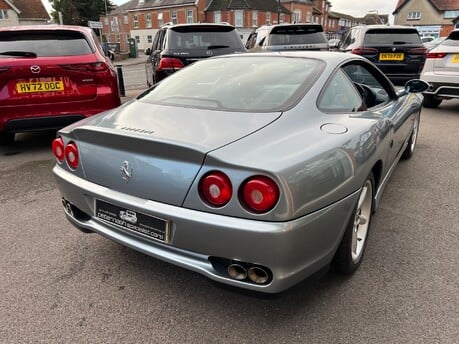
268	17
281	18
254	18
308	17
414	15
239	18
136	22
150	39
160	19
451	14
297	17
217	17
137	39
114	24
105	20
125	20
3	14
148	20
189	16
174	17
118	39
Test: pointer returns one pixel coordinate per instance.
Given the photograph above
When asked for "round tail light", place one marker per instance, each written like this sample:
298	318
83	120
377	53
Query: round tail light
215	188
71	155
259	194
58	149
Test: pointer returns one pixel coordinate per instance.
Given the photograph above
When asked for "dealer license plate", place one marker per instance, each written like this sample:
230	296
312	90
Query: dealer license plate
455	58
40	86
391	56
149	226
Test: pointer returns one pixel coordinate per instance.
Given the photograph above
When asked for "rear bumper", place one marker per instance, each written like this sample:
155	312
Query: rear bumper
291	250
36	117
401	79
444	86
21	125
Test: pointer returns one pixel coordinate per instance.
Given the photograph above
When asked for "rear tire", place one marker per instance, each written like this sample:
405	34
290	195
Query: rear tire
6	138
409	150
350	251
431	101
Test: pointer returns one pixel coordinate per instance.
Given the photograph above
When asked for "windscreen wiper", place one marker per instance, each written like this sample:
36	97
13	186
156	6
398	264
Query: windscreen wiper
18	53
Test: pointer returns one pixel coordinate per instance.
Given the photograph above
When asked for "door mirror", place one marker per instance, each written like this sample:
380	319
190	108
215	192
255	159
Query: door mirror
416	86
148	51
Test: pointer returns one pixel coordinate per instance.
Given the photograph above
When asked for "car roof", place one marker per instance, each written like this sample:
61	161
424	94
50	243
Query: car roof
82	29
170	25
386	27
330	57
269	27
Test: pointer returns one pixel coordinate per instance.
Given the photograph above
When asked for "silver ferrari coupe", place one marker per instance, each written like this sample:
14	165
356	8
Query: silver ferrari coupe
255	170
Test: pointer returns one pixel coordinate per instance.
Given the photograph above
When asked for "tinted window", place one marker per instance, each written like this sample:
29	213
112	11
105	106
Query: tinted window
46	43
258	84
452	40
391	37
296	34
203	38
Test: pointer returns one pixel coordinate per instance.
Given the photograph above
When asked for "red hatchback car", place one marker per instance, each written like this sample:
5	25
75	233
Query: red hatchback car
51	76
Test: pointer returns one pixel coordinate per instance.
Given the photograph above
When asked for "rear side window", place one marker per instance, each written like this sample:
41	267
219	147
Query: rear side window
297	34
205	38
46	43
391	37
340	95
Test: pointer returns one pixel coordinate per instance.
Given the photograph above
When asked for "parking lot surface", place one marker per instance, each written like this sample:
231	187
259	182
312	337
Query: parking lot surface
58	285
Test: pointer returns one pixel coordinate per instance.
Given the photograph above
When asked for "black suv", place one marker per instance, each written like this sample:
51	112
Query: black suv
287	37
397	50
176	46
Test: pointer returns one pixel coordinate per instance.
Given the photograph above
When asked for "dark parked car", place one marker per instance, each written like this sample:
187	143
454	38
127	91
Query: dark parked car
176	46
397	50
51	76
287	37
230	169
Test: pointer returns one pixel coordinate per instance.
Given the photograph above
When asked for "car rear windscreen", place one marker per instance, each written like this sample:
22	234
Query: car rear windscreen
452	40
297	34
204	37
45	43
239	83
391	37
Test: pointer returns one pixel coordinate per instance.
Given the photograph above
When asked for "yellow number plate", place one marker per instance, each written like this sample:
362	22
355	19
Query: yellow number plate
40	86
391	57
455	58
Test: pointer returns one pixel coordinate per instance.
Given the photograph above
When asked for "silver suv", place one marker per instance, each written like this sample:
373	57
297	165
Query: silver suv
441	71
287	37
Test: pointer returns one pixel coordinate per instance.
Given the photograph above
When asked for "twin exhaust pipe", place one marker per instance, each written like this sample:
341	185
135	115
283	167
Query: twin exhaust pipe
256	274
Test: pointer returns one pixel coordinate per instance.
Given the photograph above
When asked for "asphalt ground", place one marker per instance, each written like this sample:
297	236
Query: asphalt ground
58	285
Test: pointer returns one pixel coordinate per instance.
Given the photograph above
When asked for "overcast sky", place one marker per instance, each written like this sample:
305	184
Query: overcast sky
356	8
359	8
